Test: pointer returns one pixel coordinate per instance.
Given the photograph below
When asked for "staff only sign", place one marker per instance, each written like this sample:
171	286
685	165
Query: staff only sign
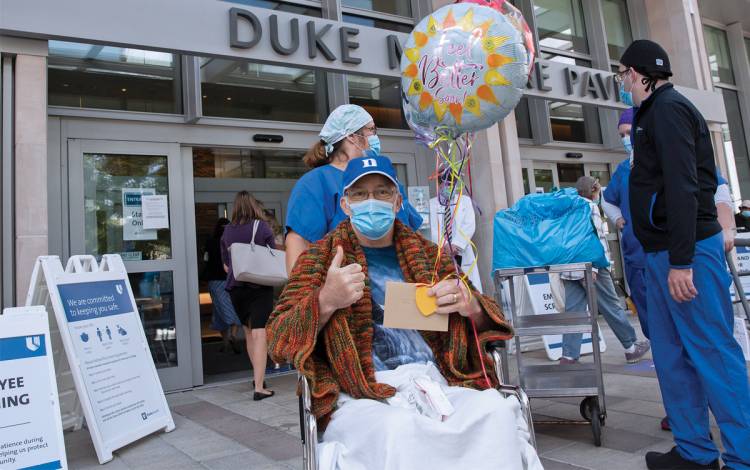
30	428
111	364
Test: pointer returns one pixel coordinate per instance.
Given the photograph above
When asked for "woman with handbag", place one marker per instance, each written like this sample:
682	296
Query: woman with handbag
252	302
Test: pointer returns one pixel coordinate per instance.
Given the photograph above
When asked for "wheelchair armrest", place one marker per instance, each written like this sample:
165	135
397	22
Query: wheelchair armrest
496	344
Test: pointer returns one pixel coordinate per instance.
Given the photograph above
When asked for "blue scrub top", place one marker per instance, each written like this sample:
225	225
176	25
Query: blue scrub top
314	208
616	193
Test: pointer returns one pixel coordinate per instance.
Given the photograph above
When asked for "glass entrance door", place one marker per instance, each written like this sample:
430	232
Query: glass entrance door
107	181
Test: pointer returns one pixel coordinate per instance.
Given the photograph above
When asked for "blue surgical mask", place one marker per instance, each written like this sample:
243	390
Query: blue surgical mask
626	97
627	144
745	214
372	218
374	142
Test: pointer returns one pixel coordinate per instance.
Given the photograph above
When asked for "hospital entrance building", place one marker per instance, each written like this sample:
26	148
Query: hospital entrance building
199	99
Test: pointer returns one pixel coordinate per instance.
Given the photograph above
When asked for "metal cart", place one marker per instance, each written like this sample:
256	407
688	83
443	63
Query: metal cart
548	381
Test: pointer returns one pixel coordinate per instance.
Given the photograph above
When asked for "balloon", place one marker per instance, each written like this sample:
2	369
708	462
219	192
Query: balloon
516	18
464	68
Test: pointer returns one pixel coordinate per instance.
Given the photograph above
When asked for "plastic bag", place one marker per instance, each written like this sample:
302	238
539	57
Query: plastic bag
547	229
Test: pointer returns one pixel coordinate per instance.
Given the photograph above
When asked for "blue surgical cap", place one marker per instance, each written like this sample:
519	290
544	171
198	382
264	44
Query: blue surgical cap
343	121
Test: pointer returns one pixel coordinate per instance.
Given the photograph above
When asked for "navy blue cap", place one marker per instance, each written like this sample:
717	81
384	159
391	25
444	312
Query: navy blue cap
369	165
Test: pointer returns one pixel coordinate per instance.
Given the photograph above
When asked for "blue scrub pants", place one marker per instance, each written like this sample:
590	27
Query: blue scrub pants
636	276
699	363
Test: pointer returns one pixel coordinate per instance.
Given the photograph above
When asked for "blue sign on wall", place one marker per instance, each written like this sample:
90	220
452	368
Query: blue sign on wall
92	300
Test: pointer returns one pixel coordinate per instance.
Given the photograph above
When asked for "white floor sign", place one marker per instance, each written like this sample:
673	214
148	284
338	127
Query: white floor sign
30	428
120	392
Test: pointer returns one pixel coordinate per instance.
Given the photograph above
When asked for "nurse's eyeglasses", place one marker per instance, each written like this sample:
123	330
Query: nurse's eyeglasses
382	193
372	129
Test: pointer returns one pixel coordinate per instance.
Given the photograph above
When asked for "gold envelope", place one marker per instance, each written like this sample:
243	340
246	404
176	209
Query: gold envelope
401	310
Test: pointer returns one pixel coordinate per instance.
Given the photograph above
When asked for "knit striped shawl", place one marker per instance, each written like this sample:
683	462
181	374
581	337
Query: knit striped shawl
340	357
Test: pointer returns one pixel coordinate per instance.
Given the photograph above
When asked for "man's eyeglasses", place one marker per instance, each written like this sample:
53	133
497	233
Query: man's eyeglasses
381	194
620	75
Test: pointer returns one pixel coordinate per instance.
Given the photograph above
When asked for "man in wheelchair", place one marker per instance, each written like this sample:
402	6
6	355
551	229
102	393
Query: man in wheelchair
393	398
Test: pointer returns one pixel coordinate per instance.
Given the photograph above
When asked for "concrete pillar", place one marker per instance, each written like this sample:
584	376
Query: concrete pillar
676	26
30	173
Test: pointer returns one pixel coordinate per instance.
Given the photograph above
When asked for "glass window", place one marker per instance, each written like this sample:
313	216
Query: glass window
543	180
560	25
617	25
602	175
248	90
568	174
719	61
525	174
574	122
566	60
154	297
105	77
280	6
734	139
376	23
113	223
393	7
381	97
247	163
523	119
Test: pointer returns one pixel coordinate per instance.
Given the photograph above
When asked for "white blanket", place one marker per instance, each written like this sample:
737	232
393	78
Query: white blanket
486	431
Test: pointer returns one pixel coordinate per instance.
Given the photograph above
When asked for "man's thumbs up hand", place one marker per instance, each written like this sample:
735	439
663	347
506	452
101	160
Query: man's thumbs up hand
343	287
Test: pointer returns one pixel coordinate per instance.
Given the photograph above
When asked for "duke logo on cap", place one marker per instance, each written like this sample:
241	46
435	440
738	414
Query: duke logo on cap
371	164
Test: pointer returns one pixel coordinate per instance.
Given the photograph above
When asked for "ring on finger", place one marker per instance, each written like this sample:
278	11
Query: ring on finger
455	298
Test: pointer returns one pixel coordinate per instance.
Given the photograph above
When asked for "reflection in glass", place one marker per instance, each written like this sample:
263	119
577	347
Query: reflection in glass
568	174
601	175
247	163
734	139
271	5
105	77
617	26
377	23
248	90
560	25
112	218
719	61
393	7
565	60
154	297
574	122
525	174
381	97
543	180
523	119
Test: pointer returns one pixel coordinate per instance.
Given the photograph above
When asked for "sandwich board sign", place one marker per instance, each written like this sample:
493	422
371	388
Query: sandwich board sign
31	434
116	386
542	302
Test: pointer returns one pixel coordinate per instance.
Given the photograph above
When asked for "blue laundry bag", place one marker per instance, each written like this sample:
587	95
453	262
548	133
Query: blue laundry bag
547	229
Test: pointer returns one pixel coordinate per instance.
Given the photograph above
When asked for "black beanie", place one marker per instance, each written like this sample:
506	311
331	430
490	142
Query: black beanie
646	56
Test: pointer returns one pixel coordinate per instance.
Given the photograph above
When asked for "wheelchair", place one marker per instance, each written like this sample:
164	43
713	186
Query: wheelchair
309	426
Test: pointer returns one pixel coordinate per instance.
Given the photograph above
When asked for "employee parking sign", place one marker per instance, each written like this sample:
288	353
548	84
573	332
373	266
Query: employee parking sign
30	428
110	361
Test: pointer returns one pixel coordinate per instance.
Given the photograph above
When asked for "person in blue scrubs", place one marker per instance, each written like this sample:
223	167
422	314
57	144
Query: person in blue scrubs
690	319
617	207
313	209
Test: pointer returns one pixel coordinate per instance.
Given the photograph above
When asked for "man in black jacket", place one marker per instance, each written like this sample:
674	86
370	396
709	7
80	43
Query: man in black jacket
672	184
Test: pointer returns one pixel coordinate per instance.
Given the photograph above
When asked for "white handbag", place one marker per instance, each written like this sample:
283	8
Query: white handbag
258	264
